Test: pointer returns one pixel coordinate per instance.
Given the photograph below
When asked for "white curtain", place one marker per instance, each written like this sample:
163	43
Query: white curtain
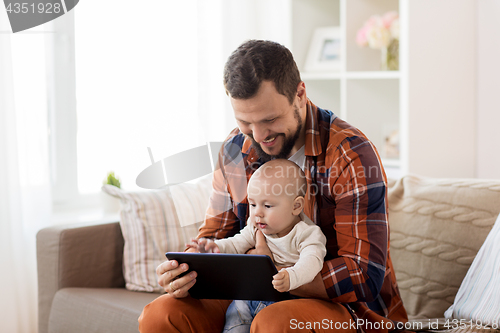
24	184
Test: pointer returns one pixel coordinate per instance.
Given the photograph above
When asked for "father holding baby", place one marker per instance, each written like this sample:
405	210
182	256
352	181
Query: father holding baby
346	197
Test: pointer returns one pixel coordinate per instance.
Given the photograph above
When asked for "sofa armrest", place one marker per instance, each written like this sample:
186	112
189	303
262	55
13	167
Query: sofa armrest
78	255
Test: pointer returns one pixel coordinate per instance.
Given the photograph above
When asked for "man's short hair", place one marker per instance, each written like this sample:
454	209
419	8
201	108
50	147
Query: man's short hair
258	60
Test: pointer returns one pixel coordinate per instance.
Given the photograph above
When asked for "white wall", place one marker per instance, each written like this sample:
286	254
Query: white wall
488	89
442	88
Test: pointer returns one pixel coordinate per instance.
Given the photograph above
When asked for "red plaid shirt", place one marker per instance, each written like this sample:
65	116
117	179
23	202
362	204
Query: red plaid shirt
347	198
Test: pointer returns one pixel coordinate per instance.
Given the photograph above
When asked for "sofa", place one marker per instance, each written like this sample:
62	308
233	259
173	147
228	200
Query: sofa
437	226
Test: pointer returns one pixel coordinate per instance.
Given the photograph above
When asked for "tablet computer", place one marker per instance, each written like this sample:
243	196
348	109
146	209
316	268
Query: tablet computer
231	276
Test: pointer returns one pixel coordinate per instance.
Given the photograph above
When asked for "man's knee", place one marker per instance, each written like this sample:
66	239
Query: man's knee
299	315
167	314
271	319
157	315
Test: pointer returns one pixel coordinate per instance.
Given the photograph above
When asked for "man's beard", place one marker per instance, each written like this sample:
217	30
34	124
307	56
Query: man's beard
287	145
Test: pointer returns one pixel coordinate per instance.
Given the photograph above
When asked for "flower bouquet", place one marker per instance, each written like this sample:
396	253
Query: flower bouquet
382	32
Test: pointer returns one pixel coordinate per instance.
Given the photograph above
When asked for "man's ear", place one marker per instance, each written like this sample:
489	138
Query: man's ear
301	94
298	205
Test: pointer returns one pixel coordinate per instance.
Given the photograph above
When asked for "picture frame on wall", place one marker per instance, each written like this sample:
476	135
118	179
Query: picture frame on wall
324	53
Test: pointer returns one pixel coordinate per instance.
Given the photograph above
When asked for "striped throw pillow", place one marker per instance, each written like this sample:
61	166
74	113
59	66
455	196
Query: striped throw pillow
478	299
154	222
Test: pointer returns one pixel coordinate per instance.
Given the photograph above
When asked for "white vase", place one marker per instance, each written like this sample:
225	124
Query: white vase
110	204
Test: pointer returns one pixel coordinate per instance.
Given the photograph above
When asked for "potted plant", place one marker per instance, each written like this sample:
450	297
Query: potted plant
112	180
111	203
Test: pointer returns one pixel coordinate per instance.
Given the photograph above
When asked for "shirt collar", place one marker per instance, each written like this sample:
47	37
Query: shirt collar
313	139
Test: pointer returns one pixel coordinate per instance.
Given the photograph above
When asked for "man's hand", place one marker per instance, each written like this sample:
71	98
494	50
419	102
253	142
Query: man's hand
261	246
168	273
203	245
281	281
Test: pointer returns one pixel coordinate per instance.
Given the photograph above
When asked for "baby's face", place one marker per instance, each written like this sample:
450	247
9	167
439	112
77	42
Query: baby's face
271	207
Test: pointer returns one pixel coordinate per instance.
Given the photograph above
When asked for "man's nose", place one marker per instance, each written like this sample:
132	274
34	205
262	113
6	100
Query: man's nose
259	133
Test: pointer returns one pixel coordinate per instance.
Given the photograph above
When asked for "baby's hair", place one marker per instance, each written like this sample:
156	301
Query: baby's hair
283	168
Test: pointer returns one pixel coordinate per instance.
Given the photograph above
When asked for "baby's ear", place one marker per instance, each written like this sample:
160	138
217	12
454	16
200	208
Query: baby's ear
298	205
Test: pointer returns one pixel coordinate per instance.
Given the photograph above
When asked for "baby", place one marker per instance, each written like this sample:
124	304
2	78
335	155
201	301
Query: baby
275	195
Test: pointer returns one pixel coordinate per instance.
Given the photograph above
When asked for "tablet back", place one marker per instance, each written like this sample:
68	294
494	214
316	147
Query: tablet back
231	276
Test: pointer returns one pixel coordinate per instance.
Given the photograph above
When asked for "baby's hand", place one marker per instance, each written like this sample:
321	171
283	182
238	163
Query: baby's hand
281	281
203	245
206	245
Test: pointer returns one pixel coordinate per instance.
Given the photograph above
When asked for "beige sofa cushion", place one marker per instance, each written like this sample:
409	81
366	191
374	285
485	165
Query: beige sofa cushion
154	222
437	227
89	310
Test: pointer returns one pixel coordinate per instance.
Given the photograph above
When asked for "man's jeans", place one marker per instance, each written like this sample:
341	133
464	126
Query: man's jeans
240	314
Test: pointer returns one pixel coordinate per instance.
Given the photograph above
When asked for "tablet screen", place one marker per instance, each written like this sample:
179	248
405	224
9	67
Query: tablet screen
231	276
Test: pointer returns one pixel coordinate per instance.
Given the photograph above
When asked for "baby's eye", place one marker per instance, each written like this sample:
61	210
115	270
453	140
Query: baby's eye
267	206
252	205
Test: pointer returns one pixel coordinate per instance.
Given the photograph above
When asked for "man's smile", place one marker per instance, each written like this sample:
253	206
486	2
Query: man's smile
269	142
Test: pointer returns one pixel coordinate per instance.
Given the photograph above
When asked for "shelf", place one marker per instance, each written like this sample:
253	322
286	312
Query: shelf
373	75
321	76
391	162
358	92
380	102
392	168
376	75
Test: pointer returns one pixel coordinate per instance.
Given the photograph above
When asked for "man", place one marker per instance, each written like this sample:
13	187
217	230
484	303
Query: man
346	197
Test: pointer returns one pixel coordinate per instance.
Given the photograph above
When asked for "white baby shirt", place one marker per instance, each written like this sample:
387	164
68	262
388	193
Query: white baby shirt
303	248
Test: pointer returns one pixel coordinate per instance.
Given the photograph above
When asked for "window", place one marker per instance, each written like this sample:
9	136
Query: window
141	74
